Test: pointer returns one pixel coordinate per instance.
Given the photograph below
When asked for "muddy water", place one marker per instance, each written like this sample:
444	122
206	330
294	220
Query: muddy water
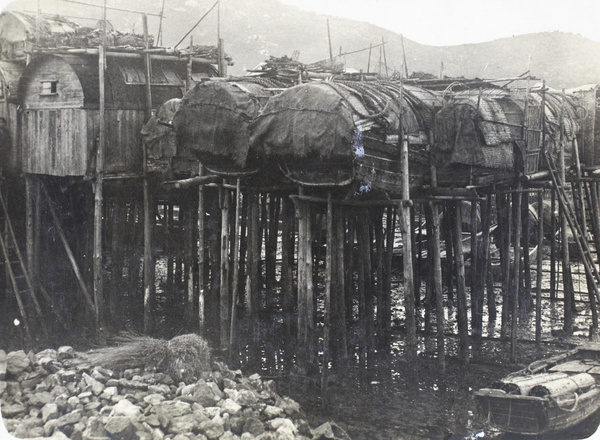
383	396
380	395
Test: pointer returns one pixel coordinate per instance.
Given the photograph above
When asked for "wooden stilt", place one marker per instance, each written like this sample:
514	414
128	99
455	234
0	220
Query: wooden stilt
328	289
99	205
379	268
271	246
287	260
437	287
350	265
592	197
409	288
76	270
488	275
224	305
525	301
506	264
212	304
475	276
254	245
202	286
566	272
32	215
429	283
339	323
553	229
449	266
191	219
461	295
236	265
362	232
149	263
538	284
305	287
516	273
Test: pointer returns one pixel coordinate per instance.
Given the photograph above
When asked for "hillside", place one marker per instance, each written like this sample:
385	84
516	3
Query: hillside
255	29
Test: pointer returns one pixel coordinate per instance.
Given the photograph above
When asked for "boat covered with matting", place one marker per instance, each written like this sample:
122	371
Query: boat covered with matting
549	395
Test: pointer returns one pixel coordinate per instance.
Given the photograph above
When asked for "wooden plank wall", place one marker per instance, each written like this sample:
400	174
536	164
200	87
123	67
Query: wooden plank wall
55	142
62	142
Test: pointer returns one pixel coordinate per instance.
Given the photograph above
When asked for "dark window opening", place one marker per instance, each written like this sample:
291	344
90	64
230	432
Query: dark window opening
49	87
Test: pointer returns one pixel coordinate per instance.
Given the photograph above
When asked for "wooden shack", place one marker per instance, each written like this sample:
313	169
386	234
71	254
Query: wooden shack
59	99
19	31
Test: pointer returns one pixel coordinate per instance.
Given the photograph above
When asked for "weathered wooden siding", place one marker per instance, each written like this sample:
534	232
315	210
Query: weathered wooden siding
8	111
69	89
55	142
124	141
62	142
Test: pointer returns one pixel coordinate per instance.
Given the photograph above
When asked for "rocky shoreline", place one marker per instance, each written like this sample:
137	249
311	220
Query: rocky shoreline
59	394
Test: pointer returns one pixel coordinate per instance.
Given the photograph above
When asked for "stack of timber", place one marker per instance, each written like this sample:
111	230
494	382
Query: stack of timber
549	395
294	72
335	133
212	123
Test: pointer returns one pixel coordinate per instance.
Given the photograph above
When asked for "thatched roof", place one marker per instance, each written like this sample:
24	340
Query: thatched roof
478	131
213	118
326	119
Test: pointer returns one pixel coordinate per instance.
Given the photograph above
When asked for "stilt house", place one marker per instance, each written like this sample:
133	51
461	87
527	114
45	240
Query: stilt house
60	109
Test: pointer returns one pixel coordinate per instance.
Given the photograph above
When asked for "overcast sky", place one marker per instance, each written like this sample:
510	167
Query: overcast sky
447	22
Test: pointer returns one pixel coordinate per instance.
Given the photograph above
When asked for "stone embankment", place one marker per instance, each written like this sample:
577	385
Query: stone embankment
59	394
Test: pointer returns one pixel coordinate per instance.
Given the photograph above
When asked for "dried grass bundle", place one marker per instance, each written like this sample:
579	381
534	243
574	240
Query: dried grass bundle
183	357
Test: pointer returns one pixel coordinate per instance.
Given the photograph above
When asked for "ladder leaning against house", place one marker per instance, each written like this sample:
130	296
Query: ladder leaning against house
16	270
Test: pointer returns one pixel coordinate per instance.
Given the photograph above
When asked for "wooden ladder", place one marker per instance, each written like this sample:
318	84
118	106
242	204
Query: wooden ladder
16	269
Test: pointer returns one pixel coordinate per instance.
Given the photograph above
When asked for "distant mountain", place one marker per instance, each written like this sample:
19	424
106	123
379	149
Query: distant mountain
253	30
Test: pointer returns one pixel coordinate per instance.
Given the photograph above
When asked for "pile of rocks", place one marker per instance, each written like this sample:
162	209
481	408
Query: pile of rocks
58	394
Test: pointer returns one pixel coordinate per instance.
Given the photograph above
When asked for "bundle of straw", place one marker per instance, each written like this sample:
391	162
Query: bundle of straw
183	357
